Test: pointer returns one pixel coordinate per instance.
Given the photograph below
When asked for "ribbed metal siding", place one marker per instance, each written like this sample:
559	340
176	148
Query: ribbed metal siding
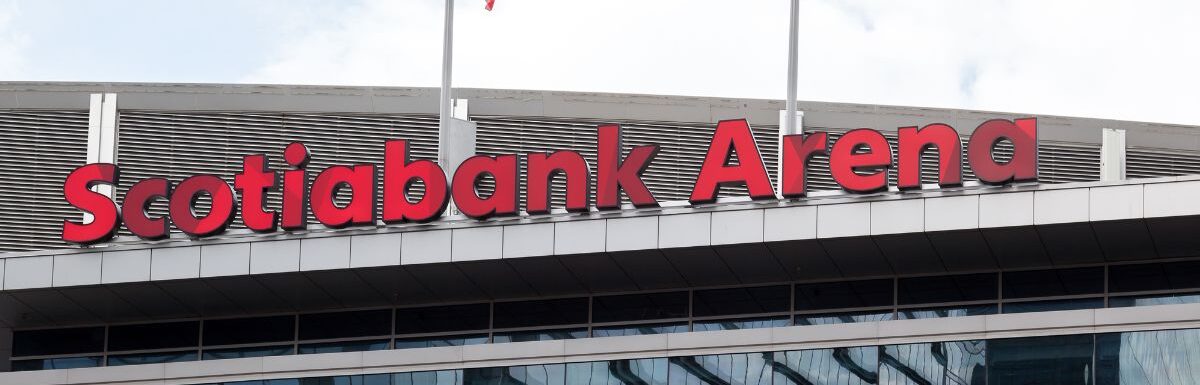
175	145
180	144
1142	162
38	149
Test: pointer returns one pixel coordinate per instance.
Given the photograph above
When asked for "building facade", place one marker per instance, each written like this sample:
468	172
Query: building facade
1089	274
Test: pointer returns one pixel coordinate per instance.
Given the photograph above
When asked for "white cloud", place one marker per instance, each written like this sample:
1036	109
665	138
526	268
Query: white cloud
1132	60
13	43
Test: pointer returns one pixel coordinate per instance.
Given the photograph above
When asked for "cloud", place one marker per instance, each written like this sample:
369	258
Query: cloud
13	43
1132	60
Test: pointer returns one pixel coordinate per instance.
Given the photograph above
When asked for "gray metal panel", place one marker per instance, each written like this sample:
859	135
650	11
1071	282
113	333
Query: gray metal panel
77	269
325	253
125	266
375	250
38	148
275	256
225	259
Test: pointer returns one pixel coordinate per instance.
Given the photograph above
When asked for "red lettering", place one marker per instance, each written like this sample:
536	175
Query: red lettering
615	175
399	175
502	201
542	167
1023	165
732	137
137	200
913	142
360	179
183	200
253	183
295	191
859	161
797	151
77	189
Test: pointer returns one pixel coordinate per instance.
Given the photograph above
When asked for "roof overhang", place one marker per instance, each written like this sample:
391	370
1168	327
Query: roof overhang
827	236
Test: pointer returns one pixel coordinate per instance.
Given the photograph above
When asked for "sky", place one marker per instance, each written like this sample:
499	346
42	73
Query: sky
1130	60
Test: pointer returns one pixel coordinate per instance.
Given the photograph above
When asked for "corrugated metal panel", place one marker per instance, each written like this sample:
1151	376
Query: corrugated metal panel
177	144
38	148
1142	162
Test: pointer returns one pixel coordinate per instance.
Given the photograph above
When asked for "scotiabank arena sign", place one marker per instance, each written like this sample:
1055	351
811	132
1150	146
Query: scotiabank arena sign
859	161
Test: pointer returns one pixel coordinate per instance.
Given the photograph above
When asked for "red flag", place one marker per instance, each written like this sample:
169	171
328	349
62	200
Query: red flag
489	4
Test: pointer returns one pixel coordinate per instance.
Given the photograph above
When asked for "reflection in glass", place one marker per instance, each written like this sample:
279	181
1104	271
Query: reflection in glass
938	363
1057	360
151	358
951	311
843	318
441	377
341	347
736	324
634	330
1164	357
55	363
551	374
258	351
429	342
539	335
1054	305
731	369
1151	300
616	372
837	366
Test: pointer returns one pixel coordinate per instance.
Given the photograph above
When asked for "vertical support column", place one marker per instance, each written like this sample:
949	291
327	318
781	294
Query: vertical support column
6	339
102	137
456	143
797	127
1112	155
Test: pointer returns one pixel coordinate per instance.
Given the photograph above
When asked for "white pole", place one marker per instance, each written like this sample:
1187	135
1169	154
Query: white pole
793	30
447	64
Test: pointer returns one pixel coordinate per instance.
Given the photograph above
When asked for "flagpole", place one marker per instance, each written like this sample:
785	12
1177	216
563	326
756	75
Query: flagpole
789	123
447	65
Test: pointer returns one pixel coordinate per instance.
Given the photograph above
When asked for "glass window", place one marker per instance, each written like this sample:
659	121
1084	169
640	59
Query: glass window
1151	357
634	330
539	335
642	372
1150	300
429	342
565	311
346	324
249	330
1049	283
938	363
750	300
948	288
152	358
58	341
1154	276
843	318
741	323
834	295
154	336
442	318
837	366
1059	360
732	369
341	347
258	351
1055	305
949	311
637	307
550	374
55	363
441	377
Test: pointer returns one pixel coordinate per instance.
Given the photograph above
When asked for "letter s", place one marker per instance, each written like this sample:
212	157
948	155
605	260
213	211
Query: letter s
77	189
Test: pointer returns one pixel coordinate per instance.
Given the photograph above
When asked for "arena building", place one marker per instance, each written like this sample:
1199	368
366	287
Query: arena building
332	235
